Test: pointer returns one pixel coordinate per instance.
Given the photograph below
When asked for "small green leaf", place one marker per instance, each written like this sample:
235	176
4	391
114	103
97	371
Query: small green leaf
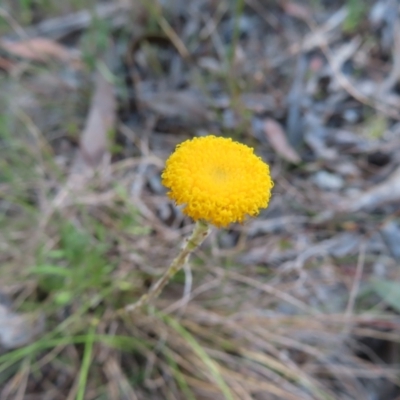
55	254
63	298
389	291
50	270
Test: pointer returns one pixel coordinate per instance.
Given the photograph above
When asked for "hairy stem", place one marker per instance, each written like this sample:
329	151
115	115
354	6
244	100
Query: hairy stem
198	235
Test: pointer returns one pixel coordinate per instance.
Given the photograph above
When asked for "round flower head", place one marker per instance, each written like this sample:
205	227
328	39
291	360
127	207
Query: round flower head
217	180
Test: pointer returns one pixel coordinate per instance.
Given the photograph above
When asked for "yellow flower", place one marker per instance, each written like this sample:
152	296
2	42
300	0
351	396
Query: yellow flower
217	180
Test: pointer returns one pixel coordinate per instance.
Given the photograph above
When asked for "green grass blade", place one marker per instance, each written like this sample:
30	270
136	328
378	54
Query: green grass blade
183	385
205	358
86	361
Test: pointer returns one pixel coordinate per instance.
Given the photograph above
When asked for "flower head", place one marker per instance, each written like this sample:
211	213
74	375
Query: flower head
217	180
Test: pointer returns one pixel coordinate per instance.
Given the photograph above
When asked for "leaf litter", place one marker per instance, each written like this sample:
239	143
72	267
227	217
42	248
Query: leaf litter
314	89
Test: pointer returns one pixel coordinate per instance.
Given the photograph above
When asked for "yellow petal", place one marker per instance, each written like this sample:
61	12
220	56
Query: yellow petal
217	180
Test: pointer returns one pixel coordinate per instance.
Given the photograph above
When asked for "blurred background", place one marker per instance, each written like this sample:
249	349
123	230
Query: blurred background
301	302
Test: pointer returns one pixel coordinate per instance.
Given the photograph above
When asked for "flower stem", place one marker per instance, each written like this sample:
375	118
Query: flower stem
200	232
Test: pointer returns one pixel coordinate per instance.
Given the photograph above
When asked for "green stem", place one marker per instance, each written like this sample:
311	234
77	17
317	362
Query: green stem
200	232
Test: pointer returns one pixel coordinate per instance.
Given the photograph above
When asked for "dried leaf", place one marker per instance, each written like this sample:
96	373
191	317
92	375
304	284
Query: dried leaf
296	10
18	329
278	141
40	49
6	65
185	105
386	192
100	122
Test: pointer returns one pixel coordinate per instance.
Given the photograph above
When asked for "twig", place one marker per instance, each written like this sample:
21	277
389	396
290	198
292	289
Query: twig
356	283
59	27
348	86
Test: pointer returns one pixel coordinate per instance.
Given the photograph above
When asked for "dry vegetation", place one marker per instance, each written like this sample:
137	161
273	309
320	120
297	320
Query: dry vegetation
300	303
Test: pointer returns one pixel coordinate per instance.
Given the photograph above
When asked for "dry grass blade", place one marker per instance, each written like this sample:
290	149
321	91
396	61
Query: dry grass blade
118	381
254	386
41	49
213	368
15	389
167	28
270	290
